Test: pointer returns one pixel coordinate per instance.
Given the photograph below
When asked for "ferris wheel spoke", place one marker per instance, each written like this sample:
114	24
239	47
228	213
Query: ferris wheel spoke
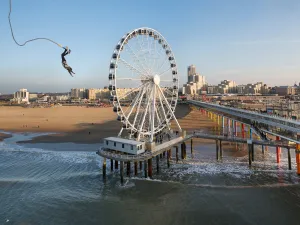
144	117
129	78
142	52
137	58
169	107
161	66
168	91
132	104
130	92
132	68
139	106
161	74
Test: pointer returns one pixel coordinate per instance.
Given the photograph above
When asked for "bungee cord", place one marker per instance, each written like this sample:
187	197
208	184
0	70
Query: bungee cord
34	39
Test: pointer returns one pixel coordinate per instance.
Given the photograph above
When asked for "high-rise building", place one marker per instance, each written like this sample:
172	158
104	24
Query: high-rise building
78	93
191	70
195	83
21	96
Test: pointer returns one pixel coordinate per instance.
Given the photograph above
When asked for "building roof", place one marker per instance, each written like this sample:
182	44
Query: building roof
124	141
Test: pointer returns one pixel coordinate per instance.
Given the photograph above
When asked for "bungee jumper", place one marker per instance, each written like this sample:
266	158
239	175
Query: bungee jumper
64	61
66	52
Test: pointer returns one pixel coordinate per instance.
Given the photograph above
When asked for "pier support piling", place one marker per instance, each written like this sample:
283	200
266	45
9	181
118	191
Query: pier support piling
217	150
116	164
141	165
122	172
191	146
221	150
104	168
298	154
177	157
128	169
135	168
168	158
250	154
150	168
157	164
278	151
111	165
145	169
289	158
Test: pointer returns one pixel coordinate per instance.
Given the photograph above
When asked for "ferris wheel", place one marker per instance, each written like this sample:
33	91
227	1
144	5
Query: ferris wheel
143	83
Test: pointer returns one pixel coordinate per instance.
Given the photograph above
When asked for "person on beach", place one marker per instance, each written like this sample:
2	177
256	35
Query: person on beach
64	61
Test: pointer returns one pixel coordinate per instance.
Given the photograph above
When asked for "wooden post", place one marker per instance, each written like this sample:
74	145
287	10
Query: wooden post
164	154
111	165
168	158
263	149
145	169
217	150
104	168
135	168
157	164
150	167
177	157
122	172
289	158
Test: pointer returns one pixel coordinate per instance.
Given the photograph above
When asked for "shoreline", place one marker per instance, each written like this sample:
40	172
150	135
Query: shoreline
84	125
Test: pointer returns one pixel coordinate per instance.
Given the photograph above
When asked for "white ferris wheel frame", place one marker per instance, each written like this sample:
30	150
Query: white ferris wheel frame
161	108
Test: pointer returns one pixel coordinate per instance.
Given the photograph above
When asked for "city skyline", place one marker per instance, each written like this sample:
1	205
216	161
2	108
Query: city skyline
241	41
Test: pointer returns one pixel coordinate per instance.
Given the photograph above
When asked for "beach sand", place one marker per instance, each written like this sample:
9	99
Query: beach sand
83	125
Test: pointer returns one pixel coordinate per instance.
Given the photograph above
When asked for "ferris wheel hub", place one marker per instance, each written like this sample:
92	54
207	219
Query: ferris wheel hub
156	79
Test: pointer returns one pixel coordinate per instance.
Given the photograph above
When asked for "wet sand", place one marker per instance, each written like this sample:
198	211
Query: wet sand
84	125
4	136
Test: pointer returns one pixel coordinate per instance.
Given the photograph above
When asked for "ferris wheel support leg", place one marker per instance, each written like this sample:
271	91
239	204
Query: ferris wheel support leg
120	133
167	103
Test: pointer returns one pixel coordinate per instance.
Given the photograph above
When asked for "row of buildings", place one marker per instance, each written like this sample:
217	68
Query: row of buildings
197	85
76	94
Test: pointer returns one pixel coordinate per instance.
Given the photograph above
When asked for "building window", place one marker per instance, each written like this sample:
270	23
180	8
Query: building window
115	144
122	145
106	142
131	147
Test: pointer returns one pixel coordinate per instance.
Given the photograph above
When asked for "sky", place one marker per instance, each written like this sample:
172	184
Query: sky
240	40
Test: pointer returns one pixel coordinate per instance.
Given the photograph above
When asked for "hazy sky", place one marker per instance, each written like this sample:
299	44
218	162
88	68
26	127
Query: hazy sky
245	41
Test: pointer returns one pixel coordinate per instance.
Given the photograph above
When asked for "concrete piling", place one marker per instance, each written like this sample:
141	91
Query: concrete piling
221	150
157	164
249	154
145	169
128	168
168	158
278	151
141	165
122	172
116	164
135	168
177	157
104	168
150	168
111	165
289	158
217	150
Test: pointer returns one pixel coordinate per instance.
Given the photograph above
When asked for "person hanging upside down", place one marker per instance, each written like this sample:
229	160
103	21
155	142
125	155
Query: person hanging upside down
64	61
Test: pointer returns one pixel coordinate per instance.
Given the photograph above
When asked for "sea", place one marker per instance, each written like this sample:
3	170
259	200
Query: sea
63	184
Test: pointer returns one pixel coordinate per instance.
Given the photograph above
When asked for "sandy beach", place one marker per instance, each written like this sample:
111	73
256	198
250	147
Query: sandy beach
82	124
